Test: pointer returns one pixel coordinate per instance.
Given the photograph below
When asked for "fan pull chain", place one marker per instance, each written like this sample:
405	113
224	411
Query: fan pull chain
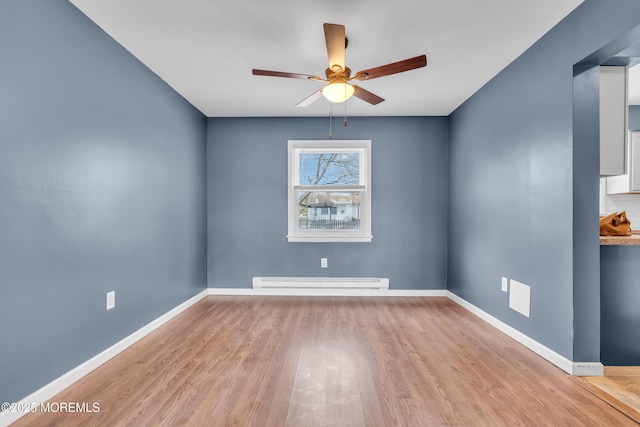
330	119
345	112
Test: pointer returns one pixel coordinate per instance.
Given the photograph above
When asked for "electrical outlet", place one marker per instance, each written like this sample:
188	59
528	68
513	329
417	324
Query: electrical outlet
111	300
323	263
505	286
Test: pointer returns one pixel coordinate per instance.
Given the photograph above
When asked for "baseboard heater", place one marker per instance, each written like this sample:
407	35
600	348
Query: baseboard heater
321	283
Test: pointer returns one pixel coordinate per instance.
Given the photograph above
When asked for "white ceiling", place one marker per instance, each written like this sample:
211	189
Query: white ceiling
205	49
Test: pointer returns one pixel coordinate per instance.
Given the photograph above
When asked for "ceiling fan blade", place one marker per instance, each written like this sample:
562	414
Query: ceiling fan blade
393	68
284	74
334	35
310	99
367	96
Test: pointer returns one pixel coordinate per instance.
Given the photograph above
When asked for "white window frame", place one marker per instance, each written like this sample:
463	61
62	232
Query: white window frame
328	146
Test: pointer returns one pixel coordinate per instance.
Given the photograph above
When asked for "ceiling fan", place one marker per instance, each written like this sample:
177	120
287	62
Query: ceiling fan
338	75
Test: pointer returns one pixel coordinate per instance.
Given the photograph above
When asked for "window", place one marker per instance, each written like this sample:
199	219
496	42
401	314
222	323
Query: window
329	191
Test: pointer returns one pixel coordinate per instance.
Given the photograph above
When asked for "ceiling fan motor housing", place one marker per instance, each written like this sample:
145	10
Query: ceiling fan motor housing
338	76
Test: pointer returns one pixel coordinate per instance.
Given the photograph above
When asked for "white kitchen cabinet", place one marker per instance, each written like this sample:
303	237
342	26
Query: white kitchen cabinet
613	119
630	182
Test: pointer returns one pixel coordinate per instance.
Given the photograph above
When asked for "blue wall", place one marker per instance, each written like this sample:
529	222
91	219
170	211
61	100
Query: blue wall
102	187
620	270
634	117
513	181
247	202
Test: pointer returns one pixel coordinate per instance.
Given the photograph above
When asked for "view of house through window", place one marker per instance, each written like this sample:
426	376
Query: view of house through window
329	210
330	185
333	210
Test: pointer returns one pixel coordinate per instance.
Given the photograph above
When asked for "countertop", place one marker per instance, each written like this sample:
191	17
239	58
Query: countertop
634	239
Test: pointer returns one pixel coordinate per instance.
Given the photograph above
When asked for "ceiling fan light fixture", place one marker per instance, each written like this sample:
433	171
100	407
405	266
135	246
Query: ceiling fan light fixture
338	75
338	92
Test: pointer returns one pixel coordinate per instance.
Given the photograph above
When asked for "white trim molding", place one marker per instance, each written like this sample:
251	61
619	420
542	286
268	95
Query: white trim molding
570	367
56	386
329	292
587	369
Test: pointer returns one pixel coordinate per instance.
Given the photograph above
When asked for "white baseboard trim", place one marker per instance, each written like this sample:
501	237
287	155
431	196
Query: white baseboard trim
570	367
56	386
329	292
587	369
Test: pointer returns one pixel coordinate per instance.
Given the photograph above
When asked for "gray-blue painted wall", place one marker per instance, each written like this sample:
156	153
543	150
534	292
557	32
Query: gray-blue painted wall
620	296
247	202
634	117
102	187
513	181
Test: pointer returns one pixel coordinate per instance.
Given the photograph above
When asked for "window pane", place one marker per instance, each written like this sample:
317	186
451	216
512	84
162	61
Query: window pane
329	168
328	210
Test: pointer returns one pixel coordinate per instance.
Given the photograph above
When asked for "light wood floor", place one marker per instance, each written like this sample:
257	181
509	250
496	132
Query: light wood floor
619	387
329	361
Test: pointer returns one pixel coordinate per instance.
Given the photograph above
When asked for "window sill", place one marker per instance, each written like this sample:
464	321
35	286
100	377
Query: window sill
330	239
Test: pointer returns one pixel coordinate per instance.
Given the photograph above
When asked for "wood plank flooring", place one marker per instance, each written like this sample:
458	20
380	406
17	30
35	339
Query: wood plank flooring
329	361
620	391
